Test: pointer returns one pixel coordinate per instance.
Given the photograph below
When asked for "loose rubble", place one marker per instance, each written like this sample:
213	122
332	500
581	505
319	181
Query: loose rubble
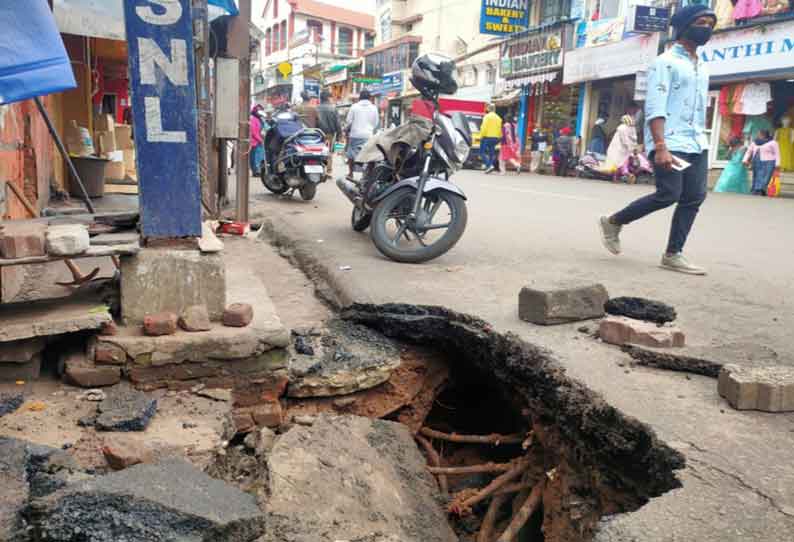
641	309
769	389
561	305
620	330
125	409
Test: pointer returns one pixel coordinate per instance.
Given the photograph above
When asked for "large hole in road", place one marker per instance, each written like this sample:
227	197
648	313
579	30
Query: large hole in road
566	458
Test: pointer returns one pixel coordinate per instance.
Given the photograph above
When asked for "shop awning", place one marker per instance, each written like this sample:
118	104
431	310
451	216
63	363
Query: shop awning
33	60
532	79
105	18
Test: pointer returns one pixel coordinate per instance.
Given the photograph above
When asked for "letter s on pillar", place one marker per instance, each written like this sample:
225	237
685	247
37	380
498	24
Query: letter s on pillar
172	11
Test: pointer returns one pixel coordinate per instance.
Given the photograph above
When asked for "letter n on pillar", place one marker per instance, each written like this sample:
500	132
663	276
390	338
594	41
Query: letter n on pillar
163	91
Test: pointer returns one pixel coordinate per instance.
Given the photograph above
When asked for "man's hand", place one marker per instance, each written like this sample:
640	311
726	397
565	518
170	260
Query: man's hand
663	159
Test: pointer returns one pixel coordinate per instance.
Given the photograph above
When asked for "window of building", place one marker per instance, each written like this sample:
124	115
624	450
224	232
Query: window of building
385	25
283	35
276	36
345	41
315	31
554	10
275	9
606	9
268	43
399	57
490	74
369	41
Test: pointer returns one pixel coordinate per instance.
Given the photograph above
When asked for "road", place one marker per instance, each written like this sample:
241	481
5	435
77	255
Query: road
541	230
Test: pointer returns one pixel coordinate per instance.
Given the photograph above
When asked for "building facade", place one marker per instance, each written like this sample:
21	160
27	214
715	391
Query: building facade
302	40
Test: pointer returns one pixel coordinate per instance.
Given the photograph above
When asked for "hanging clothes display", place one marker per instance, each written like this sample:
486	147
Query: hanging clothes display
785	140
755	96
773	7
746	9
724	11
754	124
736	101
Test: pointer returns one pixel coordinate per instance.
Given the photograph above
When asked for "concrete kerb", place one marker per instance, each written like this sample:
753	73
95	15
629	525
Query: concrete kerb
333	286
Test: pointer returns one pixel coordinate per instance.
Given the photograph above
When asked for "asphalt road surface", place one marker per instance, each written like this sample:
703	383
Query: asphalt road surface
541	230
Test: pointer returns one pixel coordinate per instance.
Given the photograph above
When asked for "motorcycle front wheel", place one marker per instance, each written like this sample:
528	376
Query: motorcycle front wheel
439	224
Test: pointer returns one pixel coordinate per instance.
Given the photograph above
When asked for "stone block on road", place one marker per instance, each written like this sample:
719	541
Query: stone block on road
770	389
159	324
125	410
195	318
620	330
157	280
172	500
22	240
238	315
81	372
67	240
562	305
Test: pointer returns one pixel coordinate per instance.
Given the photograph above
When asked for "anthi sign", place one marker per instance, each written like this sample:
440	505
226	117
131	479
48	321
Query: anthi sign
502	17
160	40
737	54
532	54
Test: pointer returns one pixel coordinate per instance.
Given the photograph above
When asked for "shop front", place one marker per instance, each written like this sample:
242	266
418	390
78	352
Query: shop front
612	80
532	90
752	90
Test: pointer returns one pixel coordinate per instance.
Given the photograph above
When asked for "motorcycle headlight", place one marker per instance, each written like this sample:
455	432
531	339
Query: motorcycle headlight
462	151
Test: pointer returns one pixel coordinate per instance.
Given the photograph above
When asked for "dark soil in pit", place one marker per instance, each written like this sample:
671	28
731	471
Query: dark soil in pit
585	459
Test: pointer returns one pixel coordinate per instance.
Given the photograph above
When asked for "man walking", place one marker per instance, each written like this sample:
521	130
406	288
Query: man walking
490	134
328	122
307	111
362	121
675	123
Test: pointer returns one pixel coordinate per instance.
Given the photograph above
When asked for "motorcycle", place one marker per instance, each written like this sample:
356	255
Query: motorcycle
297	157
405	197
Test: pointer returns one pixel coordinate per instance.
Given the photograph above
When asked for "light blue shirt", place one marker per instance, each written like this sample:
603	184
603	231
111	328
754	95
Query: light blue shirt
678	88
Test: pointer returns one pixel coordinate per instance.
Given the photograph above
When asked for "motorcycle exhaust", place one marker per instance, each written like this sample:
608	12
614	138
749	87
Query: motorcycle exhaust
349	189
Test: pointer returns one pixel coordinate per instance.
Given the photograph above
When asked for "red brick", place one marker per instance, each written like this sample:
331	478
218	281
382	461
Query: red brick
22	240
161	323
109	354
195	318
243	421
122	451
269	415
170	373
238	315
262	390
620	330
87	375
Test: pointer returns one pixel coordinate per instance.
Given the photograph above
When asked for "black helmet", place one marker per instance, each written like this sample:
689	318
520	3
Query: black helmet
433	74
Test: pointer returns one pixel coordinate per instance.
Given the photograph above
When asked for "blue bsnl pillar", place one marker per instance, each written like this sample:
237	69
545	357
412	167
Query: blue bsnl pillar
163	89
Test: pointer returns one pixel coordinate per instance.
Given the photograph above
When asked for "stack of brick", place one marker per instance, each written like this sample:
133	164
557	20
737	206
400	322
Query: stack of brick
21	360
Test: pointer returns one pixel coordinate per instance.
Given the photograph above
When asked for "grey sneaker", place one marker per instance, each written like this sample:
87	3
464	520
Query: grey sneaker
677	262
610	235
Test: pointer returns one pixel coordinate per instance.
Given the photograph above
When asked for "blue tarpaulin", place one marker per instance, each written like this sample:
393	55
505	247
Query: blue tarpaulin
226	5
33	60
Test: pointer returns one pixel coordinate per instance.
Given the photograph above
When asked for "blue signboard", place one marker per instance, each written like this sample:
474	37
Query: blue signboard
312	86
502	17
162	85
651	19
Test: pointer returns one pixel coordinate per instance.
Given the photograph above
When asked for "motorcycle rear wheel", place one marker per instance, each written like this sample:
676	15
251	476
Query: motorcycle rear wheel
273	182
308	191
395	208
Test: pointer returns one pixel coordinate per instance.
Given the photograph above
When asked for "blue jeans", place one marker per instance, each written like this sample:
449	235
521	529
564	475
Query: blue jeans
488	151
256	157
686	188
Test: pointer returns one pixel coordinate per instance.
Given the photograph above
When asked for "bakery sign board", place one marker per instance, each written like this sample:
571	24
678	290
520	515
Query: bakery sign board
535	53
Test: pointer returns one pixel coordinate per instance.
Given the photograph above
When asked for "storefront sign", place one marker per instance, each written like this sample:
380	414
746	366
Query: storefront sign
162	83
336	77
605	31
502	17
735	55
648	19
312	87
532	54
392	82
612	60
640	86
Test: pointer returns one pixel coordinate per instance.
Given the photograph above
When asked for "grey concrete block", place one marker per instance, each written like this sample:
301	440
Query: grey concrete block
67	240
562	305
164	280
21	351
11	372
770	389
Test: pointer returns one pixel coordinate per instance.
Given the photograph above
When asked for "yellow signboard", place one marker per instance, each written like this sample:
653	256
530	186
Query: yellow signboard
285	68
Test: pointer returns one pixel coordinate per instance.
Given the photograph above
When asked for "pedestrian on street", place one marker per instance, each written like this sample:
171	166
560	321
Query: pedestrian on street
509	150
307	111
623	142
362	121
256	154
598	142
563	151
490	134
764	156
675	124
328	122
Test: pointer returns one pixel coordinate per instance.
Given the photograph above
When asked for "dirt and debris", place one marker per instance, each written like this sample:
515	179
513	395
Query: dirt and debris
641	309
9	402
704	360
125	409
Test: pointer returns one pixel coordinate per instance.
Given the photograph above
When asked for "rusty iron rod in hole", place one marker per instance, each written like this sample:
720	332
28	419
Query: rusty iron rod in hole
465	506
513	488
524	513
472	469
435	461
489	521
494	438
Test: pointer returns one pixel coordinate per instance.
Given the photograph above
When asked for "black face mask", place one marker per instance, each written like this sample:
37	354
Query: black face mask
698	35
